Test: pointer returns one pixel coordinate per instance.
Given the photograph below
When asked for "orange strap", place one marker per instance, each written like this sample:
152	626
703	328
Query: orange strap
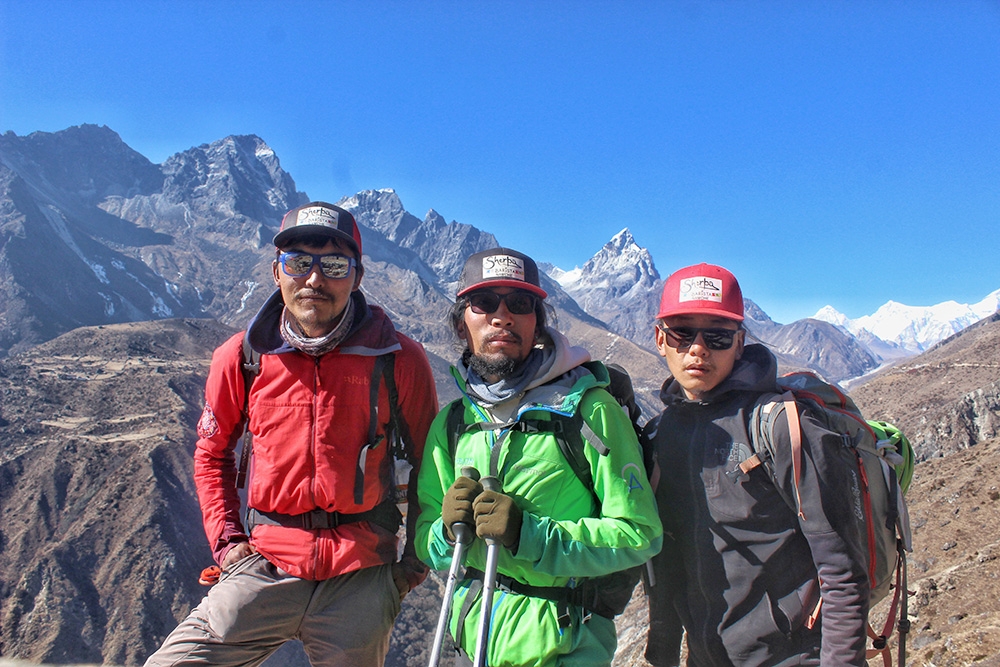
795	435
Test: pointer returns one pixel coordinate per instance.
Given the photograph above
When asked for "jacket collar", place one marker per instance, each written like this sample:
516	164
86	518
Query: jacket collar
372	333
756	372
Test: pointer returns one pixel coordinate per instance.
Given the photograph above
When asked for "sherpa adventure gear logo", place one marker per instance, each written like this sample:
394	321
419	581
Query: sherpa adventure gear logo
317	215
503	266
701	288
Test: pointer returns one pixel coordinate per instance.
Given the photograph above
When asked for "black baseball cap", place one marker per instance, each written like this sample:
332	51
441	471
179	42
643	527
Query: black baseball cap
318	217
500	267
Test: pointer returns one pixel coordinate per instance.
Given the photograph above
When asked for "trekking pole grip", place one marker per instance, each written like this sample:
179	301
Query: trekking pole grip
490	483
463	532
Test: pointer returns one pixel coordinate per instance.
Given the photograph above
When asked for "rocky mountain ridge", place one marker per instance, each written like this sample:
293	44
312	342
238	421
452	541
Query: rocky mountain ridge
191	238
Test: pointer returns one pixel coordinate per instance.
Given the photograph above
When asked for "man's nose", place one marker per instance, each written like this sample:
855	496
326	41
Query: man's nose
315	276
501	314
698	346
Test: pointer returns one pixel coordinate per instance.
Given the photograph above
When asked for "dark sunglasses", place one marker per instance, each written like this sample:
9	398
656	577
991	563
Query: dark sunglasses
716	338
486	303
298	264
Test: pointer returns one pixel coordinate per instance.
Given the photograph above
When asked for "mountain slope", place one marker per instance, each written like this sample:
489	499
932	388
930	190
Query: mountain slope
946	399
100	531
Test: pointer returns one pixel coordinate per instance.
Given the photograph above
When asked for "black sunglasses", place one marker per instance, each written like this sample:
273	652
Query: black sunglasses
486	303
298	264
716	338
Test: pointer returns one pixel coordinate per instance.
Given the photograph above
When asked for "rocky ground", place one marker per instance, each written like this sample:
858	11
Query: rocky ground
101	542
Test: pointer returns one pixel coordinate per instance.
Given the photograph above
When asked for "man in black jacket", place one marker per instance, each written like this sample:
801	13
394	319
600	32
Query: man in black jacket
740	570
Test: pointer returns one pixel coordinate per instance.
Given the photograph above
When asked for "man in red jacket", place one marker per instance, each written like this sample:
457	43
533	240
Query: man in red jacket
318	560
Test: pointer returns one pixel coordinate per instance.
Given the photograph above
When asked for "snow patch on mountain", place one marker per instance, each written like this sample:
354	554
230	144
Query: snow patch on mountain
913	329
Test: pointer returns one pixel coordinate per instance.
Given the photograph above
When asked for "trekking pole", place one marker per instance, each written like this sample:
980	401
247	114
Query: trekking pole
489	585
904	621
464	534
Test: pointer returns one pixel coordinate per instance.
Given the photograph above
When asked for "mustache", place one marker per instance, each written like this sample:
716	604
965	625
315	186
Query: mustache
506	335
311	293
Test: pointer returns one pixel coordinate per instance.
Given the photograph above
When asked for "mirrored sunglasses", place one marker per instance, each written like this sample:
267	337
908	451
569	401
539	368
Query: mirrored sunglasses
298	264
716	338
486	303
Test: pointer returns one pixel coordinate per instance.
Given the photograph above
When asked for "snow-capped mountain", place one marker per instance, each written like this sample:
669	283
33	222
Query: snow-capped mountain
619	285
900	330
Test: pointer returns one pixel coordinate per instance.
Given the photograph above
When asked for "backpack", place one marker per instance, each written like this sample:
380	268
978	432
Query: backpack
610	594
885	466
398	433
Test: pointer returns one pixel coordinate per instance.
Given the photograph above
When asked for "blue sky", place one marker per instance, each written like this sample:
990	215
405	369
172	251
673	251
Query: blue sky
837	152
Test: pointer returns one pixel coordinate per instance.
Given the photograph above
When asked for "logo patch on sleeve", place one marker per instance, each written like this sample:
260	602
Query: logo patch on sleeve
632	474
207	426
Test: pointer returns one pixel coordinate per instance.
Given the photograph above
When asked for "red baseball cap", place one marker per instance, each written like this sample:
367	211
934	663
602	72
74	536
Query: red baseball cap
318	217
702	289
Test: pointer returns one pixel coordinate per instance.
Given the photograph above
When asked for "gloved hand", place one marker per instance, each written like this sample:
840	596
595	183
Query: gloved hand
457	504
498	517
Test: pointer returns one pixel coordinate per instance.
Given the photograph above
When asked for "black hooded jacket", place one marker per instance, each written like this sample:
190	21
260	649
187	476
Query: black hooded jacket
738	568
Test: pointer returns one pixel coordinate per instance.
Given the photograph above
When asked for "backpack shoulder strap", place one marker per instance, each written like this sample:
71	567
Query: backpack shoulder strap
761	432
454	425
402	442
250	369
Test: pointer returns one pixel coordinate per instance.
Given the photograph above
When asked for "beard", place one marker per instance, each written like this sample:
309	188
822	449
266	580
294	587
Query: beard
500	366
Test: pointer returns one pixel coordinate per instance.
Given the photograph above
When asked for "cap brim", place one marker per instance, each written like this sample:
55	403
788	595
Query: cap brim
288	235
517	284
717	312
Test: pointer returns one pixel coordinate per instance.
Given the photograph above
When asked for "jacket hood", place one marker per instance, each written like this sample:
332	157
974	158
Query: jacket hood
566	358
371	334
756	371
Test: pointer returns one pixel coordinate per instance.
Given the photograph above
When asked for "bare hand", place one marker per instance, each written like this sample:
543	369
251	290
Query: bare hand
237	553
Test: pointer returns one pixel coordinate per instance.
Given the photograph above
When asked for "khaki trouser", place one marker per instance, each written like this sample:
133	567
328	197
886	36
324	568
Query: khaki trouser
256	607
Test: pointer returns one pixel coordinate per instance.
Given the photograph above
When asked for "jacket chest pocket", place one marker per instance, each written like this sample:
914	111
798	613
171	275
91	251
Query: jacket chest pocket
734	496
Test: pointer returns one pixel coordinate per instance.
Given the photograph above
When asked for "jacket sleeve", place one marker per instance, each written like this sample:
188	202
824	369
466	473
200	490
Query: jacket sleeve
437	474
418	404
626	530
832	521
219	429
665	589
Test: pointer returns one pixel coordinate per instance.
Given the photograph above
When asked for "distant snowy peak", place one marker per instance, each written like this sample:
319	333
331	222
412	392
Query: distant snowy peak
914	328
620	266
833	316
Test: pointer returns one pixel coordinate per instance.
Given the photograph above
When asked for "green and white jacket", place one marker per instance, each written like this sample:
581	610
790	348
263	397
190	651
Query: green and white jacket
569	533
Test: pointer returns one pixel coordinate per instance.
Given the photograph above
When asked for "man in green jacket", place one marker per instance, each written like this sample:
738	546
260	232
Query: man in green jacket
559	533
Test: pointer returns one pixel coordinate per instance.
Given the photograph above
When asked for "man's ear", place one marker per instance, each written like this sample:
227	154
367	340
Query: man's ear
661	341
739	342
274	272
359	272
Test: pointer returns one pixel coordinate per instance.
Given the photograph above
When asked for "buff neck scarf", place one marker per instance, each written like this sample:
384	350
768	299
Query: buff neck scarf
323	344
508	387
